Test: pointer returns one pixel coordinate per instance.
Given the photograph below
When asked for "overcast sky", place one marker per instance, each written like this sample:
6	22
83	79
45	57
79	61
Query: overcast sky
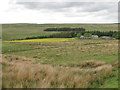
16	11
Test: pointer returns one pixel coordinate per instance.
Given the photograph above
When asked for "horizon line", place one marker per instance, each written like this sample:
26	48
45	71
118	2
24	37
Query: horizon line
62	23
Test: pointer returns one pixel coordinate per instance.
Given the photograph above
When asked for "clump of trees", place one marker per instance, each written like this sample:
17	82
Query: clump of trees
63	35
87	34
113	34
78	34
34	37
99	33
116	35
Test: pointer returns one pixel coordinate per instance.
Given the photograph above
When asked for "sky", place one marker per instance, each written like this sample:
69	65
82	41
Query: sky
53	11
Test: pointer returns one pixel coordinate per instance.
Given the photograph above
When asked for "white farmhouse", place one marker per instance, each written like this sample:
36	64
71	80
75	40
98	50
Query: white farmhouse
82	37
95	36
106	37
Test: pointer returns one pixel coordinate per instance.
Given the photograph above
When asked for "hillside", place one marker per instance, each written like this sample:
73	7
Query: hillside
21	31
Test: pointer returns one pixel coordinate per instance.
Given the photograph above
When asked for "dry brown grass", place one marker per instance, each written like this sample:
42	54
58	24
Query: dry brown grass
116	64
21	72
88	64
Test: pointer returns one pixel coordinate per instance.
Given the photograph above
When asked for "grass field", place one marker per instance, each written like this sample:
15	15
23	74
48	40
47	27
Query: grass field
59	63
65	52
21	31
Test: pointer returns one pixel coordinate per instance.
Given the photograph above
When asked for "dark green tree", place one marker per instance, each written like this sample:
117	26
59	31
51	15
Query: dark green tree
87	35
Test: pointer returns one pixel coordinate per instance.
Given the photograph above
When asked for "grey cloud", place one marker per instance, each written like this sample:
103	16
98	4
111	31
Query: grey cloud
99	6
47	5
57	6
94	9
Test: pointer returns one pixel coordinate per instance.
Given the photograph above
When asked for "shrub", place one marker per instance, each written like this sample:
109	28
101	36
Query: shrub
87	34
78	35
116	35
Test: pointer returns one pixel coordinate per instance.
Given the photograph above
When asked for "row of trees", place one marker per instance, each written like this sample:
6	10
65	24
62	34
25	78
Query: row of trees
63	35
75	32
65	29
71	34
99	33
113	34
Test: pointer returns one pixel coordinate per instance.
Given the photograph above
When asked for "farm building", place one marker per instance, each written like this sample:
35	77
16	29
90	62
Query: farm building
106	37
92	37
95	36
82	37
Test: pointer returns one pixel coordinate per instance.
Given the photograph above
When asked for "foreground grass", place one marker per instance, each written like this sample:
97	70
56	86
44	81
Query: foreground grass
113	81
76	64
26	73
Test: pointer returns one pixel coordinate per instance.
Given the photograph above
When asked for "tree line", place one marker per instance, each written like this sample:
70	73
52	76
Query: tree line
76	33
64	29
113	34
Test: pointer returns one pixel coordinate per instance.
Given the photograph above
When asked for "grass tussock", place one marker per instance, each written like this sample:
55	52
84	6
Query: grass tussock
27	74
85	64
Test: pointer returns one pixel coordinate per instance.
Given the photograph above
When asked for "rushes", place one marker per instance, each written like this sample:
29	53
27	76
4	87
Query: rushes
86	64
34	75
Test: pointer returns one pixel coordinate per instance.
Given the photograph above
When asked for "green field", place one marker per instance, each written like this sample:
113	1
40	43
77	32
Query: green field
66	52
81	63
21	31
